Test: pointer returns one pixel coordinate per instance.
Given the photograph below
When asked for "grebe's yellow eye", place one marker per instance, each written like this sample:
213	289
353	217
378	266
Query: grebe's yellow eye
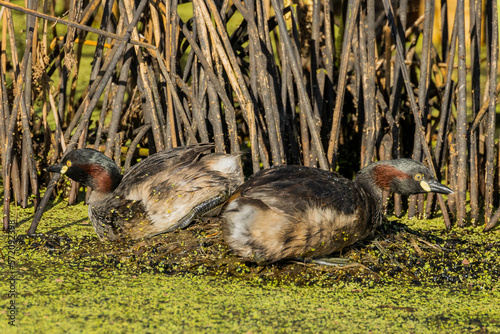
68	163
418	177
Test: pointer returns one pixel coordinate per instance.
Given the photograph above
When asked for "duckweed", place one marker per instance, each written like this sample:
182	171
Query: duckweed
413	276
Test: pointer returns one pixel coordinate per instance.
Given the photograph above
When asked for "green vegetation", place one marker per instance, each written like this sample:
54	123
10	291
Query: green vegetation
414	277
73	301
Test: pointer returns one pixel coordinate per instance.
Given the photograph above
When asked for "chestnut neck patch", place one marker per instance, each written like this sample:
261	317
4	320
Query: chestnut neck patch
384	174
100	179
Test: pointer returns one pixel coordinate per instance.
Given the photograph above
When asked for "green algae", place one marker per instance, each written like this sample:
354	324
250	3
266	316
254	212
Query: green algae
412	277
149	303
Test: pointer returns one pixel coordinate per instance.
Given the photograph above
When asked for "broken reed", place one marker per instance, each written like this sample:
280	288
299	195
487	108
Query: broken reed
333	85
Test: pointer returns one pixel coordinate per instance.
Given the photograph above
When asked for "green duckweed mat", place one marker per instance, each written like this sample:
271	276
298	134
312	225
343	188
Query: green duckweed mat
412	277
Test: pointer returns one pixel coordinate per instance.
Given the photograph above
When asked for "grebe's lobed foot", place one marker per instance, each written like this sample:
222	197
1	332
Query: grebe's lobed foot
206	208
333	261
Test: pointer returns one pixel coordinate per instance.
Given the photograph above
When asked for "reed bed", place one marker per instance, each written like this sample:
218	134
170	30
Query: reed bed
329	84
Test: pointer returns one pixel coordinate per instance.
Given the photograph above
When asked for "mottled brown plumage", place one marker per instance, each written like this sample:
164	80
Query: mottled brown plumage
161	193
293	211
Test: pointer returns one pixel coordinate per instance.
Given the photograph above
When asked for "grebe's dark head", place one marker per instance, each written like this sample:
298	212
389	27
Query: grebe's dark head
91	168
402	176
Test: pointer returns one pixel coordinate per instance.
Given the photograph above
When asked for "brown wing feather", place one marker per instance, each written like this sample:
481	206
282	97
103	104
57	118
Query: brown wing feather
295	188
161	162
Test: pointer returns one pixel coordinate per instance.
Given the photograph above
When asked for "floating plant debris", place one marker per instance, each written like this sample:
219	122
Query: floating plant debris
396	254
